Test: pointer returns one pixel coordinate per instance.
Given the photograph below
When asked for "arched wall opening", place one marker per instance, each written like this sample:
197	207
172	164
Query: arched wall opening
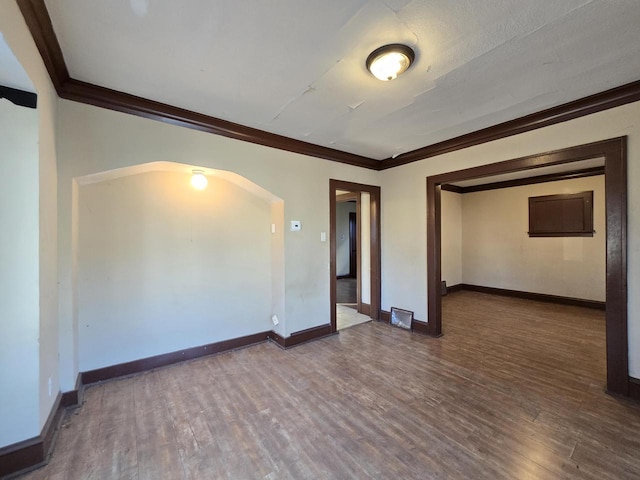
160	266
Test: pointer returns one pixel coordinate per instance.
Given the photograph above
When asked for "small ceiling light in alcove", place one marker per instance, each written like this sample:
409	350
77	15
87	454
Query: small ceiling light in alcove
198	180
389	61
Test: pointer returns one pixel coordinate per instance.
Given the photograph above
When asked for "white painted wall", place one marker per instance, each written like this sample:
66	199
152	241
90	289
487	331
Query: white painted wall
451	237
93	140
342	236
19	275
498	252
30	403
162	266
404	206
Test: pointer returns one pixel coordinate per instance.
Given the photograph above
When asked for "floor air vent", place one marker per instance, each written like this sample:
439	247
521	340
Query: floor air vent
402	318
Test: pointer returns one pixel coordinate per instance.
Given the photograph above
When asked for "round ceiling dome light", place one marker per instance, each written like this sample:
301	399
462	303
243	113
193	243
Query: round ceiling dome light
198	180
389	61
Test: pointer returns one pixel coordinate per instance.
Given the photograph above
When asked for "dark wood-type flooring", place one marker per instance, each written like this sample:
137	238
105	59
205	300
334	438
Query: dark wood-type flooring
514	390
346	290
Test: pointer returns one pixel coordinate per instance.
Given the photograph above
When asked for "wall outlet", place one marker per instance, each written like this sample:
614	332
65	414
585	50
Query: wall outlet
274	319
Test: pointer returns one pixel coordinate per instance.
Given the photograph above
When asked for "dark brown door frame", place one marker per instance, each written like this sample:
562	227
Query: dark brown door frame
375	241
614	152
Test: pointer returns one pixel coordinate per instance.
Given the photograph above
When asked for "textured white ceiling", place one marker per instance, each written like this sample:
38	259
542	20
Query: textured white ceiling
11	72
297	68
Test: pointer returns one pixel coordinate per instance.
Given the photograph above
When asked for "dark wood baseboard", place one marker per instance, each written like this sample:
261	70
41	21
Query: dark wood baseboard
22	456
634	388
34	452
277	339
455	288
342	277
145	364
421	327
303	336
73	398
540	297
313	333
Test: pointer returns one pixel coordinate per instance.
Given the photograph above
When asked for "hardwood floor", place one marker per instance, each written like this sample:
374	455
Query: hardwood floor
346	290
513	390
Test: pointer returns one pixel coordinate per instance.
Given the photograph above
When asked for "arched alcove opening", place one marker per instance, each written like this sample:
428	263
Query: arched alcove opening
161	267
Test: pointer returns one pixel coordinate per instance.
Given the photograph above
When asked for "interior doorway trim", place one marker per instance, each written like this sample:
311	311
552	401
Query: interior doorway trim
614	152
375	249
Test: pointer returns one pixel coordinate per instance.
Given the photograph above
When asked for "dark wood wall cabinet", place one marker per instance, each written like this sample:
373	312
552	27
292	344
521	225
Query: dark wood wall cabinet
565	215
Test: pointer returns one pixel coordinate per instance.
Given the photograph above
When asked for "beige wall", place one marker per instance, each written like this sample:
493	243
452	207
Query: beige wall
451	237
404	206
162	266
93	140
19	276
497	251
87	140
30	401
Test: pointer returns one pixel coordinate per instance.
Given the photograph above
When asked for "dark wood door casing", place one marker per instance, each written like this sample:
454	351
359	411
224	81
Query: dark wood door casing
614	152
375	241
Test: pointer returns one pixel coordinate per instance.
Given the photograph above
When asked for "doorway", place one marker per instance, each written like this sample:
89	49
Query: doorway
354	250
348	250
614	153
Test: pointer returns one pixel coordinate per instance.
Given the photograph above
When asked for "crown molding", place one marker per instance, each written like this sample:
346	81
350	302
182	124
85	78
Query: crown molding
614	97
122	102
39	23
552	177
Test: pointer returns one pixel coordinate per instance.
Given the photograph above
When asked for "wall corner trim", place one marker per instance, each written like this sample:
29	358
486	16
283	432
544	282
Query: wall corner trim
34	452
303	336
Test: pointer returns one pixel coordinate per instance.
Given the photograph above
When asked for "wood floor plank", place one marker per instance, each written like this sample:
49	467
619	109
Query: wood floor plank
514	389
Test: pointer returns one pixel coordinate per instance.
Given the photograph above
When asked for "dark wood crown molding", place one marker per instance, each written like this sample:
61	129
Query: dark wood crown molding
553	177
122	102
39	23
614	97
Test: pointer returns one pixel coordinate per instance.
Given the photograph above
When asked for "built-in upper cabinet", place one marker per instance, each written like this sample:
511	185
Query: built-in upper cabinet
565	215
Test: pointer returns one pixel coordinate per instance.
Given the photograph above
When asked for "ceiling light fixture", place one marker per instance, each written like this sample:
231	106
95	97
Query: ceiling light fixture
389	61
198	180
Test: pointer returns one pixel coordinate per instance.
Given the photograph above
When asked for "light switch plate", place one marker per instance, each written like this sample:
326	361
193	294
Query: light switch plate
295	225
